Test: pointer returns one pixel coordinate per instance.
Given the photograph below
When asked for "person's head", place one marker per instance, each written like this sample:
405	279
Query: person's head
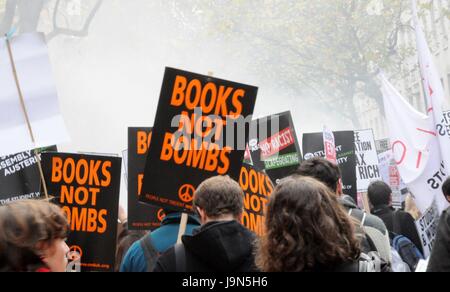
219	199
32	236
446	189
306	229
380	194
324	171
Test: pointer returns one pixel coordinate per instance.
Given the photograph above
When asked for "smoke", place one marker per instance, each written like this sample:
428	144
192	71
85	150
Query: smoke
110	80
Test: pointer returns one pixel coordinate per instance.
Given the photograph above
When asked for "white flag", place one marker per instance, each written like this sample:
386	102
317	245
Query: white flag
434	90
415	148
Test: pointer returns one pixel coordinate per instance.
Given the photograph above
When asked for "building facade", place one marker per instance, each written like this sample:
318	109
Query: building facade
436	25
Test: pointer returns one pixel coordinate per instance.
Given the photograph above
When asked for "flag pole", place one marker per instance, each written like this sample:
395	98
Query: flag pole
25	112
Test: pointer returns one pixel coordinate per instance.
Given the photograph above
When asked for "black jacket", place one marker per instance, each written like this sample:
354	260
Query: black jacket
216	247
404	223
440	256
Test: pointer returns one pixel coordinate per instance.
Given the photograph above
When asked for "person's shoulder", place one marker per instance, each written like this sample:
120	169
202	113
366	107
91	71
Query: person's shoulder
134	255
166	262
405	215
136	249
375	222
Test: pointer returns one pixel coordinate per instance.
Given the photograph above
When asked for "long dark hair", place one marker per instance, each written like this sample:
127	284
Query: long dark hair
26	227
306	229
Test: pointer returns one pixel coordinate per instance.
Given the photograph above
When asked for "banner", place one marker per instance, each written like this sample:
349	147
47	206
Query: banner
30	55
273	146
140	216
434	91
427	227
345	149
200	131
415	148
19	176
87	188
367	169
257	188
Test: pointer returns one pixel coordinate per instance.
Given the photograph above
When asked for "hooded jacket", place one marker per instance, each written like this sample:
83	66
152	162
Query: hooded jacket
223	247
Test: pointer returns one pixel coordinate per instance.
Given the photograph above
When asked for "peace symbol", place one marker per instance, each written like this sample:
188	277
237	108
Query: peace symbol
186	193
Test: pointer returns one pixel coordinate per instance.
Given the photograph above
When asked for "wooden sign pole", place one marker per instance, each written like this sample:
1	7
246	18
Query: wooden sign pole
27	118
183	225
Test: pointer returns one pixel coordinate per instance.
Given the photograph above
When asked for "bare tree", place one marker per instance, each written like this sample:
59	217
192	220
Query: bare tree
29	15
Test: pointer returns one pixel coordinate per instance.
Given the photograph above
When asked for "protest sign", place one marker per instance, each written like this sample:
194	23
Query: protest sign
200	131
257	188
345	149
390	175
427	227
30	116
329	145
367	168
19	176
87	188
140	216
273	146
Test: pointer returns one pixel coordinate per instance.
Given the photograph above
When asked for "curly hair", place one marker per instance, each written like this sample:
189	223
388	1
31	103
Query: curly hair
307	229
26	227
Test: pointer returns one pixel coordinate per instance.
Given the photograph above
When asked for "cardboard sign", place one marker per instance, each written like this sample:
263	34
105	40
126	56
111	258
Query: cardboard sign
19	176
200	131
427	227
140	216
273	146
257	188
34	73
329	145
345	149
87	188
367	164
389	174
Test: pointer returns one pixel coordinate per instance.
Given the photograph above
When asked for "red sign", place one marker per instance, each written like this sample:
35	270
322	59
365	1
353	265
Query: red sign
276	143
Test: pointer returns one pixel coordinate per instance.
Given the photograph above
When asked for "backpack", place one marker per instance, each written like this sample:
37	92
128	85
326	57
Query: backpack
370	263
407	250
397	264
367	263
150	252
375	256
372	240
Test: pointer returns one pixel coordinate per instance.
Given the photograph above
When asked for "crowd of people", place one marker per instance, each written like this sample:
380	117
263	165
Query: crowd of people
310	226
